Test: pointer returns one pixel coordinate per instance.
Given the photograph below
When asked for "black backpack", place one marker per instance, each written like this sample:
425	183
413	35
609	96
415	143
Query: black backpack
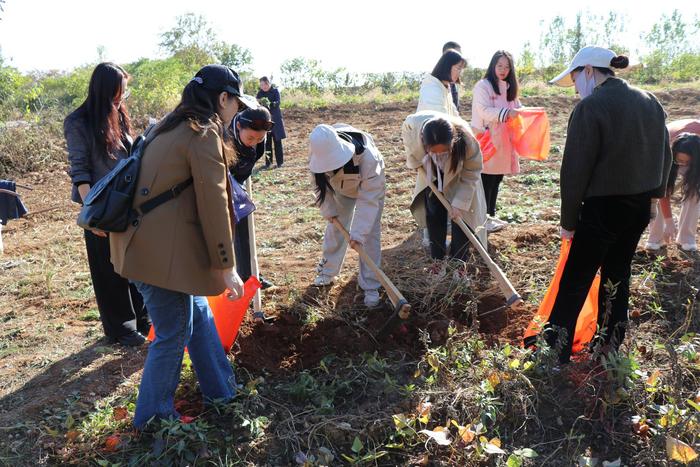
107	206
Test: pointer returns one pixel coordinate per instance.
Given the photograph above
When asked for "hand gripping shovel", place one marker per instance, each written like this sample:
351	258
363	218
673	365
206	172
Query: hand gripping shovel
512	297
402	309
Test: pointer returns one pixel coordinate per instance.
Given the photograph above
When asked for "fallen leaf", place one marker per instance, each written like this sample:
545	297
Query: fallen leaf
439	435
677	450
423	410
615	463
491	448
466	433
72	435
120	413
495	442
494	379
401	421
112	443
653	378
433	362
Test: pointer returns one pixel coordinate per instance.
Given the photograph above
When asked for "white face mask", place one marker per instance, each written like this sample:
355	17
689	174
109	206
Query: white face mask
584	85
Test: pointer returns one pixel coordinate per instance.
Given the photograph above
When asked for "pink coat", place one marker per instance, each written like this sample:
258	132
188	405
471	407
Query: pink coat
488	111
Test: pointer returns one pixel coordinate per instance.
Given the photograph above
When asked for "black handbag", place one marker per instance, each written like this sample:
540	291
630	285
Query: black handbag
108	205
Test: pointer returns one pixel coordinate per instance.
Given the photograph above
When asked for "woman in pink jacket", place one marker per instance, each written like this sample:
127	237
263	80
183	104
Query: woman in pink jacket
495	99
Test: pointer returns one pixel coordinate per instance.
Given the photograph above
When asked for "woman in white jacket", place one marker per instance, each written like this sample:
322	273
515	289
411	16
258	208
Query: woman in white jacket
446	148
435	91
494	101
349	181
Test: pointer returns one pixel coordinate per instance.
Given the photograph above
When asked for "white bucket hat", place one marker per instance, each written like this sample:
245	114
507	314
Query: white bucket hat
328	150
594	56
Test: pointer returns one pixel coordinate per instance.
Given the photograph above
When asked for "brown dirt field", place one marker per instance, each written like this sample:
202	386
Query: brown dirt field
51	346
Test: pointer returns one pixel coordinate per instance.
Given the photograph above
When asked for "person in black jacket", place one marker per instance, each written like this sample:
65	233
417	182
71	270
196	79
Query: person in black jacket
269	96
617	158
98	135
249	129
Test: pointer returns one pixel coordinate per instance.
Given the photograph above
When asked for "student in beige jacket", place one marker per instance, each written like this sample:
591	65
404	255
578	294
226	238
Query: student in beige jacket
349	181
447	149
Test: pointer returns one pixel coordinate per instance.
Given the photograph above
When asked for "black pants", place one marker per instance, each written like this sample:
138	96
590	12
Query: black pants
491	183
279	152
120	305
436	220
606	237
241	248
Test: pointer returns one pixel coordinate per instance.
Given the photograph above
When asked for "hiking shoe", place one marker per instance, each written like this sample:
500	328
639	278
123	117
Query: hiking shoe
372	299
494	225
131	339
266	284
323	280
652	246
689	247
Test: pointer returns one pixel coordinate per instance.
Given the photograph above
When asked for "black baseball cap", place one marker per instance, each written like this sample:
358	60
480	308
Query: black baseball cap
222	78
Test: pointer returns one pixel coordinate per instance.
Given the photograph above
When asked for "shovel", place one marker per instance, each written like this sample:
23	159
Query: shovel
402	309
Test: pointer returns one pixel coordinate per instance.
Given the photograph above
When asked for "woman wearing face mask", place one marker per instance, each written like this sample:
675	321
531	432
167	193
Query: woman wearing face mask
616	159
685	135
435	91
495	100
98	136
249	129
182	251
445	147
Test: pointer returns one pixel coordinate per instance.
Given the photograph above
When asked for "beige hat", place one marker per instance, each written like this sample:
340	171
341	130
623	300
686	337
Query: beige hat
328	150
594	56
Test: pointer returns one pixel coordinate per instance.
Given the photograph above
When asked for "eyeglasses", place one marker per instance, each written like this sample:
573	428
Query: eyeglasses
258	124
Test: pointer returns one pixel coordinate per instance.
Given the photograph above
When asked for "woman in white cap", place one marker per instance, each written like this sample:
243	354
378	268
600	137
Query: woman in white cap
685	135
445	147
616	159
349	180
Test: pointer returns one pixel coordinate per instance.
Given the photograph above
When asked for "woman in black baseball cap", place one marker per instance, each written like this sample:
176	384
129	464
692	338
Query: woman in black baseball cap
223	78
182	251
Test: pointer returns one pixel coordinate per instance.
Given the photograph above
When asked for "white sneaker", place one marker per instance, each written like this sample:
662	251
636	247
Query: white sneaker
493	225
323	281
652	246
689	247
372	298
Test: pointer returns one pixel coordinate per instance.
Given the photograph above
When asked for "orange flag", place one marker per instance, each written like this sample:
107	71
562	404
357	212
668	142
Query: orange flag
587	319
529	133
228	314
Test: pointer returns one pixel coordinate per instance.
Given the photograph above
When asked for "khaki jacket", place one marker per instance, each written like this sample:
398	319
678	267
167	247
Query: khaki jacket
463	188
184	243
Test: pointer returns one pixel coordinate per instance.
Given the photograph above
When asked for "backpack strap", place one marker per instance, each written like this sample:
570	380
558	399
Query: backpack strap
166	196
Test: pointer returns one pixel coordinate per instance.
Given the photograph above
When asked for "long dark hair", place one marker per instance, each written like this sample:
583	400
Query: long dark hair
323	186
511	79
198	106
440	131
108	125
247	117
443	68
687	143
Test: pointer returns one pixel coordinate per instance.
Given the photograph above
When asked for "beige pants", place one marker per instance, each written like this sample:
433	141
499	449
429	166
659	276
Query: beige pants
687	224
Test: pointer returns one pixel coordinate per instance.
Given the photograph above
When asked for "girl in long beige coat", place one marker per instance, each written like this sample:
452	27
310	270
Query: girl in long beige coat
445	147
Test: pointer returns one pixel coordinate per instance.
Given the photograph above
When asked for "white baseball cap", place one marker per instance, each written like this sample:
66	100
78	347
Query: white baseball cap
590	55
328	150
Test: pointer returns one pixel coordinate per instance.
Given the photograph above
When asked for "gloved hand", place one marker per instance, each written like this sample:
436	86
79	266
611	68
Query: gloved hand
566	234
670	229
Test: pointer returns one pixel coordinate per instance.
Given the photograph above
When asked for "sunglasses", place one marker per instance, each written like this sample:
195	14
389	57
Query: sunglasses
258	124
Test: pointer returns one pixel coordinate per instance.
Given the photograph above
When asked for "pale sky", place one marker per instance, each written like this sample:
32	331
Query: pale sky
360	35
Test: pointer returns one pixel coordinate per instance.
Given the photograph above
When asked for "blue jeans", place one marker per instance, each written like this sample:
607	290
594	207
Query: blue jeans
180	320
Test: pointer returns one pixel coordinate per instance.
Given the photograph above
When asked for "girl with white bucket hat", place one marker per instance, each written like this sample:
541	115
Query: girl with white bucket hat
349	180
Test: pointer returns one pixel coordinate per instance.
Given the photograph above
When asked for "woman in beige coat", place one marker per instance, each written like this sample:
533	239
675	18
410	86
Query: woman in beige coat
182	250
445	147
